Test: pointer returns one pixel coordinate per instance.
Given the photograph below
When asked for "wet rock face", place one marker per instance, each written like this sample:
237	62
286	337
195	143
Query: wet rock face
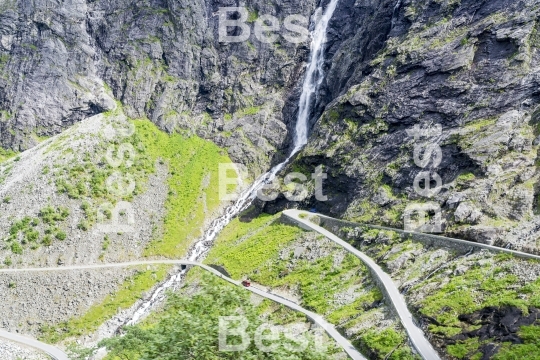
497	325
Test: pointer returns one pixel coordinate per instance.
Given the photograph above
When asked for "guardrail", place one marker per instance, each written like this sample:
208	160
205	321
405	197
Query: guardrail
432	239
416	336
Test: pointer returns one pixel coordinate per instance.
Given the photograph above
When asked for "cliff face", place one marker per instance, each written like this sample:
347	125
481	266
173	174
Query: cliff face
468	68
162	59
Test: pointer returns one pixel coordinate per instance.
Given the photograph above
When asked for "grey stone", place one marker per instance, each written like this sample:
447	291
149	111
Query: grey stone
381	197
484	234
467	213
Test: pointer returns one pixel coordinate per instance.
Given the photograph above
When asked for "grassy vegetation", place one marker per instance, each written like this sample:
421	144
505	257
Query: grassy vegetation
367	212
530	349
483	281
265	237
193	183
263	251
193	165
28	232
249	111
387	341
478	125
466	349
130	291
479	288
485	284
188	329
6	154
466	177
474	131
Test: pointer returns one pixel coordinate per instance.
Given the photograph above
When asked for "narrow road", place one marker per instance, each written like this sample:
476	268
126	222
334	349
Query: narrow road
47	349
59	355
416	335
443	240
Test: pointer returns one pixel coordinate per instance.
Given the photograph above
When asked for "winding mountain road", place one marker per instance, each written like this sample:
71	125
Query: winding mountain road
59	355
47	349
442	240
416	335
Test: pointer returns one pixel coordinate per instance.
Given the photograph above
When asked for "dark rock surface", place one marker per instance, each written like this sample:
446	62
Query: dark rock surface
500	323
497	325
161	58
468	67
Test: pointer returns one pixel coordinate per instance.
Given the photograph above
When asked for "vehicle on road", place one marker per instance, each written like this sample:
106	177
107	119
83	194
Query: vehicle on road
246	283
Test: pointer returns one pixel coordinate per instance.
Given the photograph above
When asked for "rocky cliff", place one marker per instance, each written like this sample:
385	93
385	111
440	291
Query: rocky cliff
466	68
162	59
469	67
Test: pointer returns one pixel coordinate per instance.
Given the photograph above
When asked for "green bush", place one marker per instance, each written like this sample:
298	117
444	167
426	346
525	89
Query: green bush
188	329
32	236
16	248
83	225
47	240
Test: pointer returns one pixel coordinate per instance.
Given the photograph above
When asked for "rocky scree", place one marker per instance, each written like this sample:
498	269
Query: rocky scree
12	351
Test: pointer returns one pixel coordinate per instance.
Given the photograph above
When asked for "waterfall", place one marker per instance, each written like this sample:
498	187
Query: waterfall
312	81
314	76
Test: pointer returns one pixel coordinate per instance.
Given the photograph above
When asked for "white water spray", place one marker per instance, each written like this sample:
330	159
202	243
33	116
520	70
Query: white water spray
314	75
312	81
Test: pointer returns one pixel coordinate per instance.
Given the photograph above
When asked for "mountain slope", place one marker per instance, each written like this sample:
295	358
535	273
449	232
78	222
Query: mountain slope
107	190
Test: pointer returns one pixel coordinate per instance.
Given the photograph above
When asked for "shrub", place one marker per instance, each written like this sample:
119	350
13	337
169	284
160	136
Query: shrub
83	225
32	236
64	212
47	240
106	243
47	214
16	248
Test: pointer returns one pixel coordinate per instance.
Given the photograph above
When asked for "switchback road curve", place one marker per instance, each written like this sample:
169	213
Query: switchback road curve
59	355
